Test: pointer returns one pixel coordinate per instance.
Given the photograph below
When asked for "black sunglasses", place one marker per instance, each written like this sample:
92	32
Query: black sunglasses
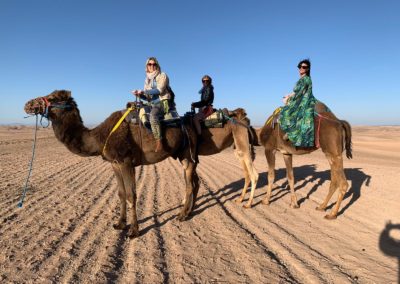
302	67
206	80
151	64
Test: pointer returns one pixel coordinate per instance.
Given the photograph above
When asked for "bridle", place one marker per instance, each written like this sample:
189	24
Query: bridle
41	106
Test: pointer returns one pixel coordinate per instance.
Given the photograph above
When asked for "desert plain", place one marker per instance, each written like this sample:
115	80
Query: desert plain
63	233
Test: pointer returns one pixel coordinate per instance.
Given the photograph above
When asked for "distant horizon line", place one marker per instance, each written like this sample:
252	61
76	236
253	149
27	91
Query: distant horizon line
255	126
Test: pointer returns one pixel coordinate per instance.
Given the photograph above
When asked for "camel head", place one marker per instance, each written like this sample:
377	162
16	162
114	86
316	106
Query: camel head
51	105
238	113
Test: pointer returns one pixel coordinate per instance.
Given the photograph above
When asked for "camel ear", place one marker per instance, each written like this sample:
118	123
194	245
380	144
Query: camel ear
241	112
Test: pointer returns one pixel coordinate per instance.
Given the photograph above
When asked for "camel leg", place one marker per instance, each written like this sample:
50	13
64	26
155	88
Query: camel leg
270	155
196	186
289	173
339	182
189	198
121	224
332	186
253	177
246	182
128	174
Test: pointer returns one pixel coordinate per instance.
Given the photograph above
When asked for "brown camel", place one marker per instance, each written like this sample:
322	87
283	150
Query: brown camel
129	146
334	136
236	131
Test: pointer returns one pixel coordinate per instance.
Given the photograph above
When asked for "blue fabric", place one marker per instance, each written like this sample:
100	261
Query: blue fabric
153	92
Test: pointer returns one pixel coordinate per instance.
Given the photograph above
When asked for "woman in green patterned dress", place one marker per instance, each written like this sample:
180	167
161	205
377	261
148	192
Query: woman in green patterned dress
297	116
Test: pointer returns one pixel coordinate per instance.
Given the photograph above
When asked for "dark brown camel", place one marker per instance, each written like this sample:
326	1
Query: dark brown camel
334	137
127	147
236	131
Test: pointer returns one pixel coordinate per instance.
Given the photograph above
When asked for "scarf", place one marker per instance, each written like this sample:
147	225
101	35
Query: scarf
151	75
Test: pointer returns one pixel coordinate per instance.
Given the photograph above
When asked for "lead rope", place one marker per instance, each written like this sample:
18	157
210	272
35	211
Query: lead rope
30	166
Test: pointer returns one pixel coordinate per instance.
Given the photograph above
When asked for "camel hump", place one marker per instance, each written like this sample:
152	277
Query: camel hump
320	107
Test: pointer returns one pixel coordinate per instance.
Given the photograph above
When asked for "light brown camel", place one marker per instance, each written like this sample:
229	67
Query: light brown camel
334	136
236	131
127	147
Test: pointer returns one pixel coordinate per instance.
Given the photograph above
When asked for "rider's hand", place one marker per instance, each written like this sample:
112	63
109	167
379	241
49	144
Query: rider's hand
137	92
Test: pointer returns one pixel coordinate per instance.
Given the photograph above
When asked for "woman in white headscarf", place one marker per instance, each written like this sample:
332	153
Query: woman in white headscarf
158	92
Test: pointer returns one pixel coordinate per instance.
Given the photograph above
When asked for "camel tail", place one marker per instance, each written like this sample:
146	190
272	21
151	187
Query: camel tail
347	129
253	139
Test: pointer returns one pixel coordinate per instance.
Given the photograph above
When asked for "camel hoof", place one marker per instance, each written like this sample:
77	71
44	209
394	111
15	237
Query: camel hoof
238	200
119	226
133	232
247	206
319	208
330	217
295	206
182	217
265	201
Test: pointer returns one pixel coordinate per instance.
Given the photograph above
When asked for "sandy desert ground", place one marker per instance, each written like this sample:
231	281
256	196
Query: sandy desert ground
64	231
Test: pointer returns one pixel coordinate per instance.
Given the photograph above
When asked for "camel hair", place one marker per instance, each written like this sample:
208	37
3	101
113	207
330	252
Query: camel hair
238	132
333	135
129	146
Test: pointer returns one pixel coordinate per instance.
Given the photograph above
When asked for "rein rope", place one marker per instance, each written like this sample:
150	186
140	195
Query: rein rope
30	165
42	110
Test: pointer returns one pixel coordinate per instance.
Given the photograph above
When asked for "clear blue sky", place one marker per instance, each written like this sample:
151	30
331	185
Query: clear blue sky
97	49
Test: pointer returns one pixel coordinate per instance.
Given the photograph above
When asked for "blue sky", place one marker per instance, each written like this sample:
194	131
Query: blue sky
97	49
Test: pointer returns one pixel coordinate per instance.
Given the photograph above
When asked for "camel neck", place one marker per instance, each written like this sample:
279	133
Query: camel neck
69	130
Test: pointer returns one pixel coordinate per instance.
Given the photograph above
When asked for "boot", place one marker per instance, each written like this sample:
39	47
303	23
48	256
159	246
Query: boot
159	146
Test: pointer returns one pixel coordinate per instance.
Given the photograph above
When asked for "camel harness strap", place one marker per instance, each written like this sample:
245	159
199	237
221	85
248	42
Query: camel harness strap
116	126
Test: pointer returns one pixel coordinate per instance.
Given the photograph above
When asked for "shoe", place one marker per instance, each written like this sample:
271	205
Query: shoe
159	146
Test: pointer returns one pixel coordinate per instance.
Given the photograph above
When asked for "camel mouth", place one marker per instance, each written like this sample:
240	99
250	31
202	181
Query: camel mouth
36	106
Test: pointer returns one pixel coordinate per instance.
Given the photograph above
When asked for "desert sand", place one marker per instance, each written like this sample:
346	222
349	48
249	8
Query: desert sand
64	233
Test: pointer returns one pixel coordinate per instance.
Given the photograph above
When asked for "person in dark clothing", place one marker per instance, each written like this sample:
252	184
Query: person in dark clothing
205	104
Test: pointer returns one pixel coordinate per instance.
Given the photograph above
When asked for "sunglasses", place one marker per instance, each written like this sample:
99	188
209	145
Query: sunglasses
205	81
151	64
302	67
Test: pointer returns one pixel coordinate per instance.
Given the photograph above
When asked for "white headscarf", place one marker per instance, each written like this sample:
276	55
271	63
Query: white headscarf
151	75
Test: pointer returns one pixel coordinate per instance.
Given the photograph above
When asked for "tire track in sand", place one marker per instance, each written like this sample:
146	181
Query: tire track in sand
145	259
72	177
40	240
305	264
77	240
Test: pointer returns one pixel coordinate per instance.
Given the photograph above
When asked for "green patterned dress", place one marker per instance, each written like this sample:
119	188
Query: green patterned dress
297	117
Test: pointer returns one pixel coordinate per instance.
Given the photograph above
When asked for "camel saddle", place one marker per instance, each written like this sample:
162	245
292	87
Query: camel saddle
141	114
215	120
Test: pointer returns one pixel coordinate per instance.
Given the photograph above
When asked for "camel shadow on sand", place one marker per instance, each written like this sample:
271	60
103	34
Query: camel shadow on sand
303	175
